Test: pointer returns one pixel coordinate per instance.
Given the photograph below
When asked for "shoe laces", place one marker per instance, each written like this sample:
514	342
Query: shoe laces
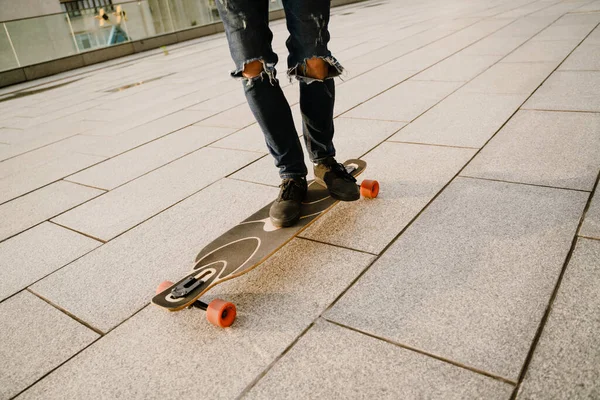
341	172
290	190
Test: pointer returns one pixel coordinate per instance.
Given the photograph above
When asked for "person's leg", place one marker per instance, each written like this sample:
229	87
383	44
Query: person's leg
247	28
311	62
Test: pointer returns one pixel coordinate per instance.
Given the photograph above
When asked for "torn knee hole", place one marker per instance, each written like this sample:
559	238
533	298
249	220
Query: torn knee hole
316	68
253	69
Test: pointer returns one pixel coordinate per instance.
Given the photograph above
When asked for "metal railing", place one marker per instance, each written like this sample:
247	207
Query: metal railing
34	40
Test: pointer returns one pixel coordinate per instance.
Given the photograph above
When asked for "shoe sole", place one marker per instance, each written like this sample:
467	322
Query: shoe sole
284	223
337	196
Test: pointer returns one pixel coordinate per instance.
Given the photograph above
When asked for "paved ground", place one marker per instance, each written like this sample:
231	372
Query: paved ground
476	274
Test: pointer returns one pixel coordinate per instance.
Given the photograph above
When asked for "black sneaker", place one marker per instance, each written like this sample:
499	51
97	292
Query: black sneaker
341	184
285	210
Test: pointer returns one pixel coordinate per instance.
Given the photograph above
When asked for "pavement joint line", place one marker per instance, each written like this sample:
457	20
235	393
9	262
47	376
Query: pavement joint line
79	232
524	183
247	181
422	352
167	208
548	310
55	181
563	111
589	237
335	245
49	218
57	269
83	184
64	311
230	148
432	144
245	166
98	331
264	372
439	61
101	136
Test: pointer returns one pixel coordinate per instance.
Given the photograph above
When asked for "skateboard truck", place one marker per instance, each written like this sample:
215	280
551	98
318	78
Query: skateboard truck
186	287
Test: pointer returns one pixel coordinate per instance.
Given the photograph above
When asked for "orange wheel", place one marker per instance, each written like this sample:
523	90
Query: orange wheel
220	313
164	286
369	189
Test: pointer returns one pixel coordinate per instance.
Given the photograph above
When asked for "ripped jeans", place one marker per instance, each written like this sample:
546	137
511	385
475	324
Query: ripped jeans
247	28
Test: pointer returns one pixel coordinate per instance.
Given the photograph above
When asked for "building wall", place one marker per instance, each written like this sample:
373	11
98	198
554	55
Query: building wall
16	9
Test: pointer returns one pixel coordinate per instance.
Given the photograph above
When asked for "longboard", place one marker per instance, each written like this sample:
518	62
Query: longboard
245	247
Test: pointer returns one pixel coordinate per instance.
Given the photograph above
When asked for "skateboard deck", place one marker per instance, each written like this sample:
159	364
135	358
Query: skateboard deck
246	246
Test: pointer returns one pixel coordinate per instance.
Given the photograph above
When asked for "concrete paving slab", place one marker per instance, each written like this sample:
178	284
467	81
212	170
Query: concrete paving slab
458	68
572	32
29	180
137	162
236	117
462	119
250	138
566	362
585	57
131	204
534	51
591	224
404	102
35	338
511	78
527	26
366	86
10	136
161	248
543	148
470	280
275	302
409	175
353	138
333	362
35	253
31	209
593	38
569	91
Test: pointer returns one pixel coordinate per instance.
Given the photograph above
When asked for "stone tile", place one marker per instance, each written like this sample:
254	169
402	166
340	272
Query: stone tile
28	180
569	91
591	223
36	338
165	246
532	51
458	68
527	26
276	303
405	101
9	136
462	119
366	86
236	117
585	57
250	138
130	204
573	32
566	362
593	38
35	253
137	162
510	78
353	138
29	210
470	280
543	148
410	176
332	362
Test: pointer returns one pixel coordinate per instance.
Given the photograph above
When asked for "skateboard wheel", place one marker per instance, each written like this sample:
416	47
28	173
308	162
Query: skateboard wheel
164	286
369	189
220	313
